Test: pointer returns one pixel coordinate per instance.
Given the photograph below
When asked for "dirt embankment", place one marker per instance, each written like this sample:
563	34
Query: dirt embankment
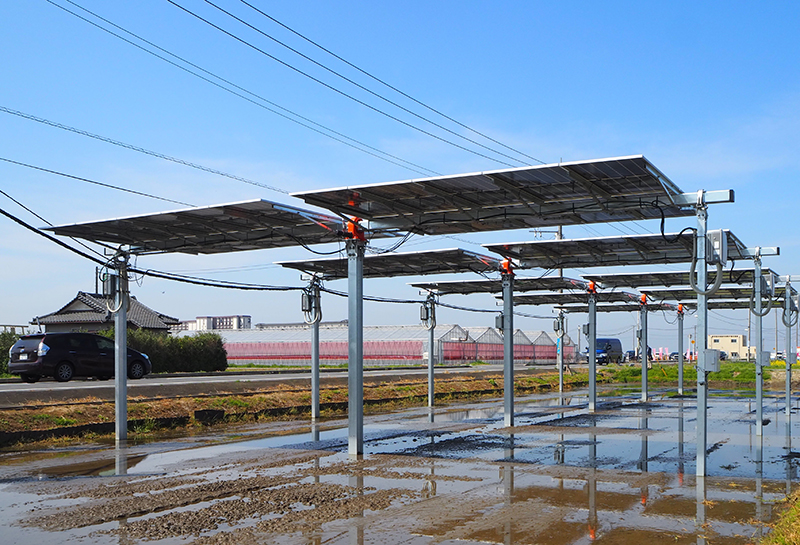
89	415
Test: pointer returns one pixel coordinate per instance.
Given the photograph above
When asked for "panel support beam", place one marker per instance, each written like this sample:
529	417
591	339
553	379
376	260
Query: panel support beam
560	329
121	347
759	334
355	337
508	346
680	350
702	340
429	322
643	347
592	351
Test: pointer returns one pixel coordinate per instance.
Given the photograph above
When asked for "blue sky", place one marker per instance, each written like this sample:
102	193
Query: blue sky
709	92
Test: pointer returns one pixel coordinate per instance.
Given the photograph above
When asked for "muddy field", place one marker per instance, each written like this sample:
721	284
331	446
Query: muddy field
622	475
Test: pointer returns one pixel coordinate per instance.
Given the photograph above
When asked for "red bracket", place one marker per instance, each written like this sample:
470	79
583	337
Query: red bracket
355	231
592	289
505	267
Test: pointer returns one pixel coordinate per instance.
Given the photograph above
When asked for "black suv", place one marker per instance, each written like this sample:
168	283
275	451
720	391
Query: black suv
67	355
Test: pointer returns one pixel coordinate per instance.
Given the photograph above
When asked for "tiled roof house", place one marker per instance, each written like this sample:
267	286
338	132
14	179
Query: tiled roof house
89	312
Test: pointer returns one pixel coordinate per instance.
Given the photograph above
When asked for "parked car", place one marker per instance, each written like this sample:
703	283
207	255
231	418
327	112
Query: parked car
723	356
630	356
64	356
674	356
608	351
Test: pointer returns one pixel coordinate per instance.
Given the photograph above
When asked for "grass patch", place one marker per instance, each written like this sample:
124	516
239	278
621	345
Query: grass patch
786	531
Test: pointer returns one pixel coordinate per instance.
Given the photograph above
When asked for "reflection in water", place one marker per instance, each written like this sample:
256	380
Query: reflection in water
680	443
643	456
357	527
315	432
121	458
700	519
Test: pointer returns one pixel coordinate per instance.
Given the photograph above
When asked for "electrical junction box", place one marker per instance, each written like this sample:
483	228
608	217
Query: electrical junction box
498	322
586	329
711	362
424	314
791	357
716	247
765	359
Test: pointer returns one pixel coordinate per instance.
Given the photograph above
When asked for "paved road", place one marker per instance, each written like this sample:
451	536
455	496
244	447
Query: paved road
16	394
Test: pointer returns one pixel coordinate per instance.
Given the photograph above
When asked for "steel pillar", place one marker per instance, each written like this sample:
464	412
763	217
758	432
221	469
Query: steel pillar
680	349
791	351
355	339
560	350
508	347
317	309
701	342
643	346
430	324
757	281
592	352
121	348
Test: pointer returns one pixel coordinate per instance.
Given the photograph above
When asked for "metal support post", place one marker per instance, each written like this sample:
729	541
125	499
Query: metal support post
121	348
560	350
791	351
355	337
643	347
314	317
680	349
701	340
592	349
508	345
759	346
430	324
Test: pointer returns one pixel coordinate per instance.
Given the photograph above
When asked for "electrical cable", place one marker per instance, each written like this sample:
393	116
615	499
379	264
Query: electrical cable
308	122
336	90
50	224
388	85
87	180
150	272
363	88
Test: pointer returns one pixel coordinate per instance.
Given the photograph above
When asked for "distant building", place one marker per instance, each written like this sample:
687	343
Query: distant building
90	312
734	345
207	323
290	344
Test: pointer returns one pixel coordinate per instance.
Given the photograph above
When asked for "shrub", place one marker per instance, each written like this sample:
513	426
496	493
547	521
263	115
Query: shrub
7	340
168	354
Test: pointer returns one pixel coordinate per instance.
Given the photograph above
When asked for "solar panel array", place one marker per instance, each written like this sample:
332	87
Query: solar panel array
233	227
598	191
453	260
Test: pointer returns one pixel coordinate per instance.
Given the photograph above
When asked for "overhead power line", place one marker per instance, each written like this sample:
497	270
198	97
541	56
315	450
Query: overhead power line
87	180
137	148
363	88
334	89
382	82
247	95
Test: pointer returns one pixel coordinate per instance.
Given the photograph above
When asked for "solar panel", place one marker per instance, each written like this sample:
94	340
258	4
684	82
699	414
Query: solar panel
609	251
734	293
578	298
667	278
597	191
465	287
233	227
622	307
453	260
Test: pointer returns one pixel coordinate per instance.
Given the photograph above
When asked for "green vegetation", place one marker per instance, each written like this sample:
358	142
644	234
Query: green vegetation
7	340
736	371
201	352
787	530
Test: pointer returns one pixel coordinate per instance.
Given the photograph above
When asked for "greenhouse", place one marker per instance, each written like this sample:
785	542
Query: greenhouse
290	344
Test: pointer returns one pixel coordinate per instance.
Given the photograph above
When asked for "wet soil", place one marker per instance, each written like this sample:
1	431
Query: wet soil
452	476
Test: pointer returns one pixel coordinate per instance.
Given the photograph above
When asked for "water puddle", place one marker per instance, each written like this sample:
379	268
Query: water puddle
454	475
